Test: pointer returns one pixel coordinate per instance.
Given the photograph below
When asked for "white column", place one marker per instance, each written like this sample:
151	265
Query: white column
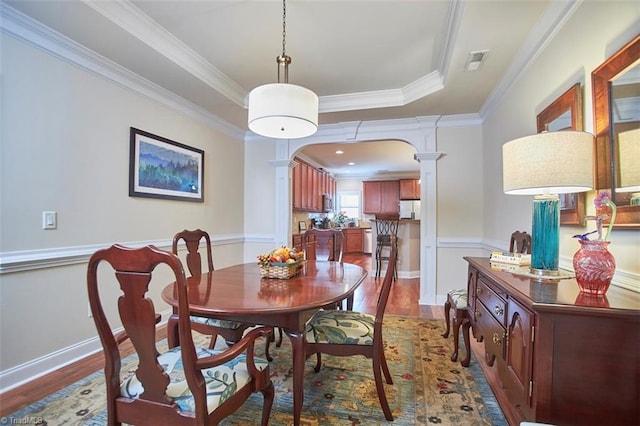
282	202
428	226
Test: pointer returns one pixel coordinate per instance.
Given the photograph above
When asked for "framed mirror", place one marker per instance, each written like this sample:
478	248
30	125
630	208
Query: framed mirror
565	113
616	96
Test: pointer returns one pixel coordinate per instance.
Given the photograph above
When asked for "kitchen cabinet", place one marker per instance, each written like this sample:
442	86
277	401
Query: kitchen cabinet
296	190
353	240
382	196
556	355
409	189
308	186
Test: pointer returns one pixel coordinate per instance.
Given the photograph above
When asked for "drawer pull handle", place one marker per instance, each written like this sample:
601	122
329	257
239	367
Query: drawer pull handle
497	339
478	290
499	310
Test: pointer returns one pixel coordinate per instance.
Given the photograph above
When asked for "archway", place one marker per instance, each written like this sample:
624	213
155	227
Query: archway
420	133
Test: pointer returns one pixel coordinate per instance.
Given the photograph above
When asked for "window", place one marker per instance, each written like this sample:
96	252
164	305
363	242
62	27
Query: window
349	203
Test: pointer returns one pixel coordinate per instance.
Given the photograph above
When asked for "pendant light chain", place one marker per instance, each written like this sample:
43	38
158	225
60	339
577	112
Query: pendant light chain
284	26
283	60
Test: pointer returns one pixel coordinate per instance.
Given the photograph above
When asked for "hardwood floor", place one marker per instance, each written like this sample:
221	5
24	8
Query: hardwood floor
403	300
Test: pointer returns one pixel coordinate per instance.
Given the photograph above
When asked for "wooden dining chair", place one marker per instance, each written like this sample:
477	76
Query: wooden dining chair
326	244
347	333
323	244
231	331
184	385
520	242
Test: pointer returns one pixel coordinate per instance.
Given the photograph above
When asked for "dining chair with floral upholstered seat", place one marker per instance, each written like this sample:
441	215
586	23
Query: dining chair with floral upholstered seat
347	333
185	385
231	331
325	245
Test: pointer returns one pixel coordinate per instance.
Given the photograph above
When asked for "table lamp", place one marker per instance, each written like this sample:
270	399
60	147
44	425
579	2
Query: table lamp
545	165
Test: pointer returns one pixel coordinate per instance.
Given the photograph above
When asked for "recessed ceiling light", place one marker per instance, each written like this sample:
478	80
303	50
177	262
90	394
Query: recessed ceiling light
352	163
339	152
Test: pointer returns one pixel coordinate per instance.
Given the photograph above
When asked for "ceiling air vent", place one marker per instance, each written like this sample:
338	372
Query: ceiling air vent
474	59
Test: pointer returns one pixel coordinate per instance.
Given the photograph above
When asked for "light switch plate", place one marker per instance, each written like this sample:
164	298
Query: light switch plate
49	220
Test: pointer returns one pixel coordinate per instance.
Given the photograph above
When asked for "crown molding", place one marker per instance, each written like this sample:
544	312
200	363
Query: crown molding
553	19
413	91
131	19
35	34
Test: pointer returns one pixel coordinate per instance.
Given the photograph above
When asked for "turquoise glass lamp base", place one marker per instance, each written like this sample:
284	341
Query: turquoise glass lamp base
545	235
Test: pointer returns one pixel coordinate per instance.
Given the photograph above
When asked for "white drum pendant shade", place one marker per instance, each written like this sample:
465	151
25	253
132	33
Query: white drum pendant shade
283	111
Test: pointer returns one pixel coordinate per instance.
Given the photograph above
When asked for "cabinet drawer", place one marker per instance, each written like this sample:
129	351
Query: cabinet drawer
492	332
494	303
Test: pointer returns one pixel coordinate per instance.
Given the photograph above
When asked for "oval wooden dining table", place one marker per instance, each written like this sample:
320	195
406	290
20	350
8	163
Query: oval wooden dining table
239	293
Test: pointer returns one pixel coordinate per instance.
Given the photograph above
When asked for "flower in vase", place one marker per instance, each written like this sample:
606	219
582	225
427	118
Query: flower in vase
602	202
341	218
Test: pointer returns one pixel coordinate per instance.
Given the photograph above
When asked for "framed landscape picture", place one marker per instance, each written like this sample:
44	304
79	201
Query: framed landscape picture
162	168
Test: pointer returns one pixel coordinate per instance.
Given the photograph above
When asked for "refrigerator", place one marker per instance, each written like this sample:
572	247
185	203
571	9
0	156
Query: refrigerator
410	209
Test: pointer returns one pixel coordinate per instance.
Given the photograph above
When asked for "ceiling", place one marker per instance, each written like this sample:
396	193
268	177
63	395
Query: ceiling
366	60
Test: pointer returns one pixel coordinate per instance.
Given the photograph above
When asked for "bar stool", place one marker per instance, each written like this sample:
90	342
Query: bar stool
386	224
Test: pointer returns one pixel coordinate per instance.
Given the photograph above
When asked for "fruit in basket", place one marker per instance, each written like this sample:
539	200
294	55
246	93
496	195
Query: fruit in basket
282	254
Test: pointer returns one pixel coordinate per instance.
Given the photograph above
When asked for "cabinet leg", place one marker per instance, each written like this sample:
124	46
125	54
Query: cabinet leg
447	308
466	324
456	335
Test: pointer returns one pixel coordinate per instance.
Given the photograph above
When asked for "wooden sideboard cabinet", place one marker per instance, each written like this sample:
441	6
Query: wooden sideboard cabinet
559	356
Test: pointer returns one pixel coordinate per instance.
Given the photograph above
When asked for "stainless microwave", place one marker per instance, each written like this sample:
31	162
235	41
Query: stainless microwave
327	203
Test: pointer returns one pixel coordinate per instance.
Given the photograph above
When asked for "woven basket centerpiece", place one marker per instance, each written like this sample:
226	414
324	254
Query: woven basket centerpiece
281	263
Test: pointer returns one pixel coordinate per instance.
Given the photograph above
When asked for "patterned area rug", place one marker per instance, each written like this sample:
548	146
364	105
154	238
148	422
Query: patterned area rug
427	388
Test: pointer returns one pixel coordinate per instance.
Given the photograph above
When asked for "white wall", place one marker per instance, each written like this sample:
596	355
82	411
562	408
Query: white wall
259	196
595	31
65	147
460	201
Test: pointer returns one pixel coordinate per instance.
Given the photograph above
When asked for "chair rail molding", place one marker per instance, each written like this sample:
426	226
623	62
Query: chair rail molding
28	260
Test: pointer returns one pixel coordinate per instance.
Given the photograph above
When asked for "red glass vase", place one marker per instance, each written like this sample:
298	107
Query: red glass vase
594	266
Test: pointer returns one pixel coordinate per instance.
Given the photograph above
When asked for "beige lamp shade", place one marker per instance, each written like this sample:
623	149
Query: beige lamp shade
548	163
629	150
283	111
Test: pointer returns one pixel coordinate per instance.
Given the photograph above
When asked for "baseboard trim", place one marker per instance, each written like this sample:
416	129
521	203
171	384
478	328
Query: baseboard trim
29	371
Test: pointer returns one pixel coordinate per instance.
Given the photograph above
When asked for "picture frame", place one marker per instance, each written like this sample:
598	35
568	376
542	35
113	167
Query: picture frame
302	226
163	168
565	113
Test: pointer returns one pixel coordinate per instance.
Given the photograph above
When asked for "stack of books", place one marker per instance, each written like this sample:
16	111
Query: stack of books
511	258
508	261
